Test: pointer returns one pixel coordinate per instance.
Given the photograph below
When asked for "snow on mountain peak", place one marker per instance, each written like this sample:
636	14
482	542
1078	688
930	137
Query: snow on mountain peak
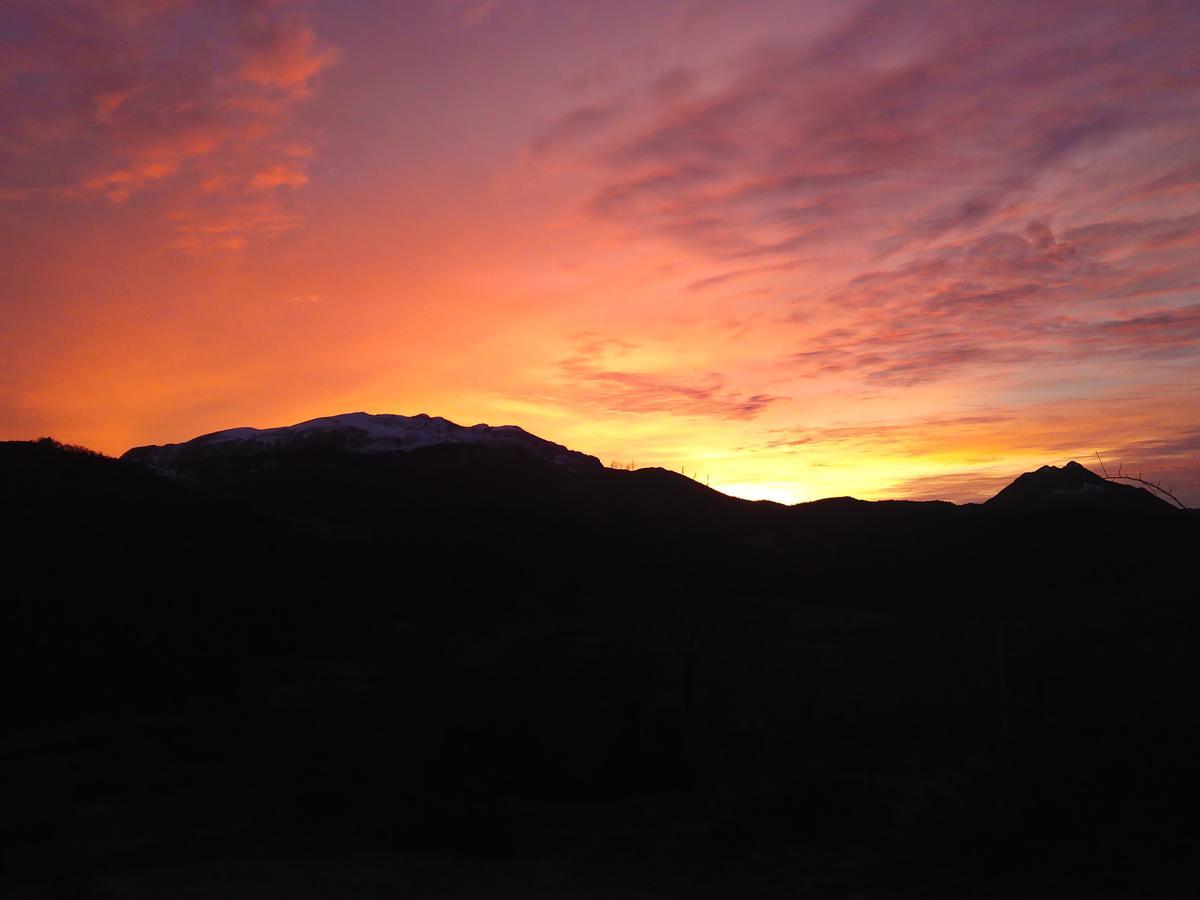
361	432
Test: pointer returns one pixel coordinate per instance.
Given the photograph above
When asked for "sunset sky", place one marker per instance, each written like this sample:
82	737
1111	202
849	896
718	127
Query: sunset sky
802	249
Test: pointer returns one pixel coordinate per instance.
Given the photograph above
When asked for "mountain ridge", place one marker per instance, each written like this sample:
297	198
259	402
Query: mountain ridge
358	432
1048	487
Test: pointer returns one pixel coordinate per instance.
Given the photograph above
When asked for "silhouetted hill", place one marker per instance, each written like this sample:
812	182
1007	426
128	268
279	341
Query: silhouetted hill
360	433
319	648
491	494
1075	487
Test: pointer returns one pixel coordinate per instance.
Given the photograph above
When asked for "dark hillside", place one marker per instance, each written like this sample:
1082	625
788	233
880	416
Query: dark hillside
462	652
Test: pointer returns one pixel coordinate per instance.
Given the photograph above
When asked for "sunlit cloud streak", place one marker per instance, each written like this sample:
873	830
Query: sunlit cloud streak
596	375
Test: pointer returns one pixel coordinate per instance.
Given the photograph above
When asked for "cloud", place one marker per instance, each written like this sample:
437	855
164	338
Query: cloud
478	12
974	114
173	97
598	375
957	487
282	52
15	194
1161	333
575	127
290	174
915	437
1167	461
231	227
1006	299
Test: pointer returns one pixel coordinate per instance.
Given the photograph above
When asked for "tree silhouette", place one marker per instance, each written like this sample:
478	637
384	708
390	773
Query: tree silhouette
1154	486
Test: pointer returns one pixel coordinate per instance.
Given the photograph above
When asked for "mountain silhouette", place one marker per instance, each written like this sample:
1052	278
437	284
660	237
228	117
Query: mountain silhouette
400	638
357	432
1074	487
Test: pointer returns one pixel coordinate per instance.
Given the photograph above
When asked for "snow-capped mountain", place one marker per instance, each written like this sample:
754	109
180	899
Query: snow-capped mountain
360	432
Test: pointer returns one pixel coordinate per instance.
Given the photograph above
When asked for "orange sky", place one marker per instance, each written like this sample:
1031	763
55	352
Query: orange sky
876	248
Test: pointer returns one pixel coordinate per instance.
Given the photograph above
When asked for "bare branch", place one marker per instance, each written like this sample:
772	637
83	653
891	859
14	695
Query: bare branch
1154	486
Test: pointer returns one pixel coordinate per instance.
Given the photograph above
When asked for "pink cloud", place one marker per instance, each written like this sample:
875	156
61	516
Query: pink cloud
903	127
283	52
232	227
171	96
289	174
592	378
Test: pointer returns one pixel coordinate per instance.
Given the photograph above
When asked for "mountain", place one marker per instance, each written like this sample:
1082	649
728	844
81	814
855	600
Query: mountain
1049	488
426	482
379	641
1074	487
358	473
468	502
357	432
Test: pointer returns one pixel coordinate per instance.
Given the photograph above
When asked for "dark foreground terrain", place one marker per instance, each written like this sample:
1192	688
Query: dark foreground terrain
467	670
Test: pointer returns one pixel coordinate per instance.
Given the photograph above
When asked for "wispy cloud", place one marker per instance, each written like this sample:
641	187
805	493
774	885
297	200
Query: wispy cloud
600	374
112	100
976	177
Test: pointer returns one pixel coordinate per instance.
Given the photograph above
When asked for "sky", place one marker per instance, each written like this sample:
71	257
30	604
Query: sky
798	249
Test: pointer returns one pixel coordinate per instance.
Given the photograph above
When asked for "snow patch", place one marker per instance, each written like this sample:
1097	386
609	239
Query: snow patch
361	432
